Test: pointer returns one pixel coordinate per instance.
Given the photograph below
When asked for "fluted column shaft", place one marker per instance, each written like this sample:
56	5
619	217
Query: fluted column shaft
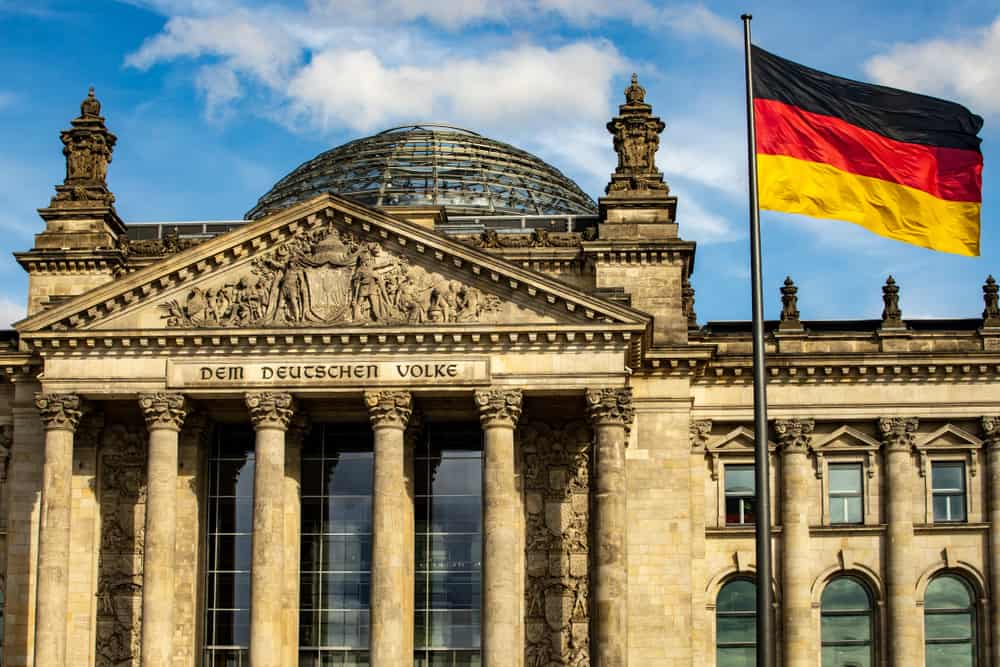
165	415
499	410
898	437
796	565
293	534
60	416
611	414
391	635
991	432
270	413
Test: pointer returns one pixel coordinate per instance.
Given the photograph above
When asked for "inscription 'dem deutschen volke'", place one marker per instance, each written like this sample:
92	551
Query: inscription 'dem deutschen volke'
326	372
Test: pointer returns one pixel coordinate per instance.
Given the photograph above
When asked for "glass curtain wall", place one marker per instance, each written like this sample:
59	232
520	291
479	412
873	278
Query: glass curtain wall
335	588
448	513
229	531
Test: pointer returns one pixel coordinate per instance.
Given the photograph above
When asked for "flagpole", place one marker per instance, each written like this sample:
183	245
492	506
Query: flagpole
765	623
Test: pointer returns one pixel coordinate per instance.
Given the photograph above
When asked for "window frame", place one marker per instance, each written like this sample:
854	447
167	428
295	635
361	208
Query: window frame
872	642
734	614
949	493
726	468
831	495
972	610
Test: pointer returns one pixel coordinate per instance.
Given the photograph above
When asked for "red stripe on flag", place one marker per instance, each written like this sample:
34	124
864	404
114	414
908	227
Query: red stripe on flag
951	174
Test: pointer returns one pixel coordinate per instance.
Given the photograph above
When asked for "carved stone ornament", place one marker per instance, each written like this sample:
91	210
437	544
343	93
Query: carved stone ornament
389	409
87	146
163	410
636	133
6	443
59	411
892	316
991	298
698	432
499	407
610	406
789	306
794	435
327	276
898	433
270	409
687	303
538	238
991	431
170	244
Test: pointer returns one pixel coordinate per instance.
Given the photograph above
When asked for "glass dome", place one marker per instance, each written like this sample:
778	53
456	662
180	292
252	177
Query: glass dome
432	165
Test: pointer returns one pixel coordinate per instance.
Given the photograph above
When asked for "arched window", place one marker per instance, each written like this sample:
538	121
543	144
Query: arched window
949	623
736	624
847	624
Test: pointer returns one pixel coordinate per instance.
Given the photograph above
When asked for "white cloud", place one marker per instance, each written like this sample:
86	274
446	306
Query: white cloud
963	67
10	311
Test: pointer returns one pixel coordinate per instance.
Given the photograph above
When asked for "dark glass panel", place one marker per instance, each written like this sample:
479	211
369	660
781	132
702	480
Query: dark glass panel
837	629
950	655
451	475
736	629
736	657
845	478
450	590
349	514
233	552
948	476
956	627
232	515
740	480
845	594
232	591
737	595
847	656
449	552
947	592
349	474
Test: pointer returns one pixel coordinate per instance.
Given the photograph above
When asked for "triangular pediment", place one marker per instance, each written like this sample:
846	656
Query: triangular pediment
331	264
740	439
949	436
845	438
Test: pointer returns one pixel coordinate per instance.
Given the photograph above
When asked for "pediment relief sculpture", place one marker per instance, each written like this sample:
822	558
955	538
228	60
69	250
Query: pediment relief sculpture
328	276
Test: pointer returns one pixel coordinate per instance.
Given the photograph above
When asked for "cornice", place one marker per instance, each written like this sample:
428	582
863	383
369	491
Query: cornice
71	261
658	251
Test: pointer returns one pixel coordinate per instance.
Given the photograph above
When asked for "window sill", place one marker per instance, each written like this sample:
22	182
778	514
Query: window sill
737	531
954	527
848	529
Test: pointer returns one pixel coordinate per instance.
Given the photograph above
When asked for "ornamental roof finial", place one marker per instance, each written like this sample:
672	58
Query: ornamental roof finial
90	107
635	94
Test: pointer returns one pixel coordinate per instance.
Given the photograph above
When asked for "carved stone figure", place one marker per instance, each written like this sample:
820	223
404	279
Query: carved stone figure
794	434
892	316
330	277
898	432
991	297
556	484
687	303
6	442
789	305
636	133
87	146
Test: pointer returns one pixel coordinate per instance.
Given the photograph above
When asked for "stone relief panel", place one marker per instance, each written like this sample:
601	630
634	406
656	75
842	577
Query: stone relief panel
556	462
122	480
328	276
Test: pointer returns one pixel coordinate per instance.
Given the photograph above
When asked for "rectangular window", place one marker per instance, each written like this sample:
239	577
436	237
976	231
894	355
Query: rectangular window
740	489
948	482
448	514
846	493
229	531
335	574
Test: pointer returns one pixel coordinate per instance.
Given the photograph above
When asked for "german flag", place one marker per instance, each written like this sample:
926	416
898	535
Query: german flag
902	165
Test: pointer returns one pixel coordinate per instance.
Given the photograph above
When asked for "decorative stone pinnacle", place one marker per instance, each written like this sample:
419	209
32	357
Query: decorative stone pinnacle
898	433
794	435
991	314
91	106
687	303
270	409
789	306
892	316
636	133
610	406
389	409
698	432
59	412
498	407
163	410
991	431
6	443
88	146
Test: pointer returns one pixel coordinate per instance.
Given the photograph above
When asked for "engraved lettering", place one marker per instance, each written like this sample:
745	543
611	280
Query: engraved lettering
452	370
266	373
206	373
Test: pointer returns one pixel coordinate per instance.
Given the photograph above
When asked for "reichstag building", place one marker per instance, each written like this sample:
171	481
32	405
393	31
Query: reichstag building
431	404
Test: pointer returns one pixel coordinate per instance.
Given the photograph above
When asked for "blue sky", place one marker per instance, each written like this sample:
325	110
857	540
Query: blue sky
214	100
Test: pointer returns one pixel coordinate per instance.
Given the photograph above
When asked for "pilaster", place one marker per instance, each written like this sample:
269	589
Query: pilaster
991	438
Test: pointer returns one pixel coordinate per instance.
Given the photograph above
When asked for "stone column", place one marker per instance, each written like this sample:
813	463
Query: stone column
165	415
297	432
898	439
391	638
991	435
499	410
270	413
611	414
794	436
60	415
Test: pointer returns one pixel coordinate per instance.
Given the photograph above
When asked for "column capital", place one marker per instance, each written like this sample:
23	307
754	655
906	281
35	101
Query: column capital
898	433
610	406
59	412
698	432
163	410
794	435
389	409
991	431
498	407
270	409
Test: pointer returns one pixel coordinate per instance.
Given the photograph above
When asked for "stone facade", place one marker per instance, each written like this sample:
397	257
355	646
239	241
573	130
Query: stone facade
608	430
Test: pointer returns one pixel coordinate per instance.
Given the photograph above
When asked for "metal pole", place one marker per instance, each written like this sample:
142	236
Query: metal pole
765	623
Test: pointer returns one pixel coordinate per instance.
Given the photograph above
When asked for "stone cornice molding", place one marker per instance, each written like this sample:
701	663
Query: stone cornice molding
899	434
991	432
59	412
270	409
699	431
164	410
389	409
794	436
498	407
610	406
